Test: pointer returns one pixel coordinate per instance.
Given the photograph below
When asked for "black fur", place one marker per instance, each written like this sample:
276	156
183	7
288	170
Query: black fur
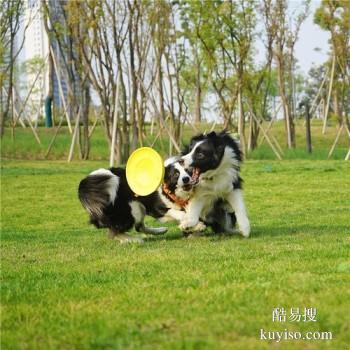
171	177
93	193
219	218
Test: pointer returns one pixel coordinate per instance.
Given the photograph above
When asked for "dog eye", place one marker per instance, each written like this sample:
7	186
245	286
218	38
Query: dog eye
200	155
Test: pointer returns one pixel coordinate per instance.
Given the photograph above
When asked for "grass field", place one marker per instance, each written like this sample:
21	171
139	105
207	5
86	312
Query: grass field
64	285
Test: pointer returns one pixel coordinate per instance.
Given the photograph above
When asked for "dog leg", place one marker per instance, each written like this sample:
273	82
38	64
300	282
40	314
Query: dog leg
200	227
193	212
227	224
138	211
112	233
173	214
235	198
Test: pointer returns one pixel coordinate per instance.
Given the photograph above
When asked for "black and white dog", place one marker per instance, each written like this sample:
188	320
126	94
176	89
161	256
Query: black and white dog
108	199
215	160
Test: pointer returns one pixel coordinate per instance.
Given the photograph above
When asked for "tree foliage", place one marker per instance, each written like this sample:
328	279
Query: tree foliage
168	63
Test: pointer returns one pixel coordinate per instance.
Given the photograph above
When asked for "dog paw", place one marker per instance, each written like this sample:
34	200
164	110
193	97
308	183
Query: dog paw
244	230
188	224
199	227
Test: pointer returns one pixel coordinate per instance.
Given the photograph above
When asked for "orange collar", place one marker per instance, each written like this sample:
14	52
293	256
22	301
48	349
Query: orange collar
177	200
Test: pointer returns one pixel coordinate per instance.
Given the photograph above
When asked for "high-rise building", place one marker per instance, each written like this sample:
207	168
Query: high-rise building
36	47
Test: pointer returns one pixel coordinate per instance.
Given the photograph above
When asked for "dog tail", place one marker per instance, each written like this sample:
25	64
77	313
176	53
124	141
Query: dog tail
96	192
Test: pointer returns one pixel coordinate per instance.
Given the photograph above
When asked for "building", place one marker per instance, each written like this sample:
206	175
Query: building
36	48
36	54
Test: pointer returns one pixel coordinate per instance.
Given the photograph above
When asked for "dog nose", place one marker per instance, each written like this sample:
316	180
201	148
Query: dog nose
186	179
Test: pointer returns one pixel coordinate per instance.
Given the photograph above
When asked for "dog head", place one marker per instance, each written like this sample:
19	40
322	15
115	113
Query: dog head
206	152
176	178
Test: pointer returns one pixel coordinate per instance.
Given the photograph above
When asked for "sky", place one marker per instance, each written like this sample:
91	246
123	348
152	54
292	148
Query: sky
311	37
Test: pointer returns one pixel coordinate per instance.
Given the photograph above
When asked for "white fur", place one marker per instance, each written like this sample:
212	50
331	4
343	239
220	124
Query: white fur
214	184
179	188
236	201
171	160
101	171
181	193
137	211
173	214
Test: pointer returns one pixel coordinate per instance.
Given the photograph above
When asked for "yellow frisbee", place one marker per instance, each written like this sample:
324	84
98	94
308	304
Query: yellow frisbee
144	171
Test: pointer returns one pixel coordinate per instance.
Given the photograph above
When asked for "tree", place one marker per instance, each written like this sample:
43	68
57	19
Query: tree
194	74
65	61
11	14
102	33
285	32
334	17
225	33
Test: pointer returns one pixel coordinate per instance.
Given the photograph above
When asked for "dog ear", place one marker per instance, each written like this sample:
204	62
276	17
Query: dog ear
167	173
212	134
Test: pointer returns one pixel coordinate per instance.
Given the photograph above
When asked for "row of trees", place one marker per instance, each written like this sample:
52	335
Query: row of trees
334	17
172	62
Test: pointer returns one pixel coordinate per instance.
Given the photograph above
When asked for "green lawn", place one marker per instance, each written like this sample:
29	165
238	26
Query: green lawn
64	285
23	145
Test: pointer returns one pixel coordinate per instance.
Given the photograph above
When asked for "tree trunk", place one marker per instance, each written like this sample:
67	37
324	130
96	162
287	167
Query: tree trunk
198	115
241	122
49	102
2	119
5	111
85	140
253	133
124	141
132	109
289	125
336	108
160	87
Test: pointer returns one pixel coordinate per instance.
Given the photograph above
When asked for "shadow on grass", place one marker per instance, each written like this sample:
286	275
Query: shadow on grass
207	235
259	231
